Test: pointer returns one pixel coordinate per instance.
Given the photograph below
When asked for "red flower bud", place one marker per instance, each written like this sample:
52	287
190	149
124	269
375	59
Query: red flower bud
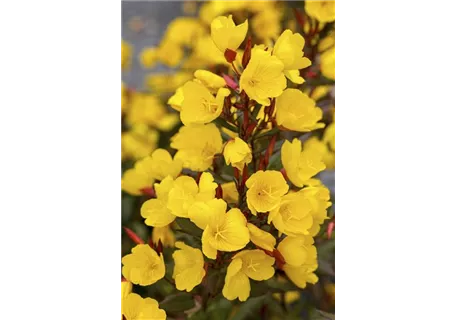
149	191
133	236
247	52
230	55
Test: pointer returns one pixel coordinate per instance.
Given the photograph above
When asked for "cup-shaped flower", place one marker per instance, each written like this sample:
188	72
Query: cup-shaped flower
199	105
201	211
185	192
301	275
253	264
188	267
143	265
159	165
163	234
226	35
293	216
289	49
225	232
237	153
265	190
197	145
297	111
155	211
323	11
134	181
318	197
125	291
298	251
138	308
263	77
300	165
261	238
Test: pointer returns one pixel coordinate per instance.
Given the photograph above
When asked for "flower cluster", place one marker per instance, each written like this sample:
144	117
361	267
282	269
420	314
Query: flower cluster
239	181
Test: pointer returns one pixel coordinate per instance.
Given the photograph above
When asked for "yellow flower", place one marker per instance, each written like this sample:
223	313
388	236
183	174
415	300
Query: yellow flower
313	145
253	264
200	106
318	197
163	234
237	153
300	165
265	190
169	53
266	24
185	192
328	63
226	35
261	238
162	83
263	78
297	112
126	53
124	101
139	142
148	57
301	275
156	211
143	266
200	212
230	192
288	49
211	9
329	136
133	181
188	267
225	232
184	31
159	165
323	11
210	80
176	100
319	92
197	145
167	122
137	308
327	42
298	251
205	53
126	288
293	216
145	109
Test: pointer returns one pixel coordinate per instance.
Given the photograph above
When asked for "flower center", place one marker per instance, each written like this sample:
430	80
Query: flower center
210	106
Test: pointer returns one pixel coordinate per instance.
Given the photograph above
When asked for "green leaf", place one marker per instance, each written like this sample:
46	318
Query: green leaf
189	227
249	308
277	286
223	123
178	303
275	162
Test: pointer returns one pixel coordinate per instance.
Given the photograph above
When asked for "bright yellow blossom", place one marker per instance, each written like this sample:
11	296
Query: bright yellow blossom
143	266
126	288
199	105
183	31
185	192
253	264
263	78
188	267
133	181
159	165
297	112
148	57
237	153
126	53
156	211
210	80
293	216
319	197
328	63
145	109
323	11
329	136
163	234
301	275
197	145
230	192
167	122
300	165
288	48
316	146
200	212
169	53
226	35
137	308
261	238
298	251
225	232
265	190
138	142
176	100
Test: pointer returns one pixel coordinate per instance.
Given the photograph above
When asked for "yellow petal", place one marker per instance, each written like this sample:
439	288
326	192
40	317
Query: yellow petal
261	238
237	284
